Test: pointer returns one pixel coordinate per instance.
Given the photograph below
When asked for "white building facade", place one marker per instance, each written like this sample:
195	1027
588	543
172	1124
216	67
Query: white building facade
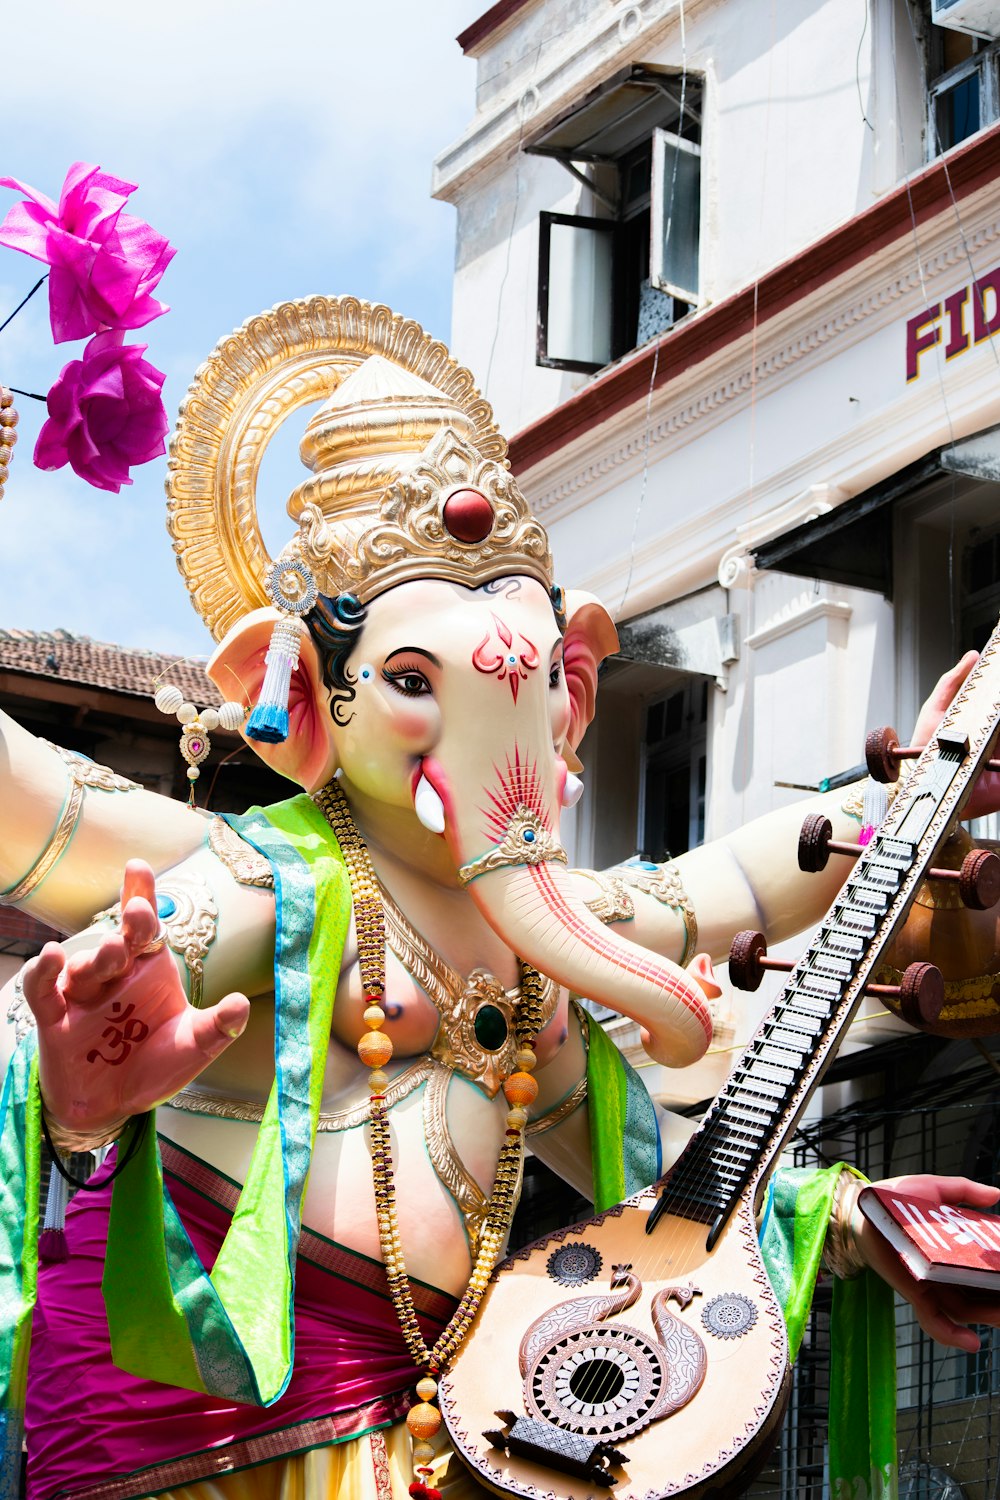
729	272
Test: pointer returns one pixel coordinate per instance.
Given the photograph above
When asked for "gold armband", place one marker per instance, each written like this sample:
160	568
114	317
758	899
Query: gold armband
188	923
56	846
842	1251
664	884
245	863
83	773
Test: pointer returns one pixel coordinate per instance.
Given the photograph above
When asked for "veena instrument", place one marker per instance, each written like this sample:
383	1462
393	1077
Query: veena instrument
657	1363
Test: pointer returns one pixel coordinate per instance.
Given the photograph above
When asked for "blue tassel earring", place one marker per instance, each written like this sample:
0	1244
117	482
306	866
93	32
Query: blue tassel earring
292	589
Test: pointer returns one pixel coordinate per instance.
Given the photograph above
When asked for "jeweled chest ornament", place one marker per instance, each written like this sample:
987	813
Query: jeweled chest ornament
507	653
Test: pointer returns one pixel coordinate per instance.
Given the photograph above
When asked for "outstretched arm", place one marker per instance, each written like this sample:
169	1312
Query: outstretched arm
69	826
750	879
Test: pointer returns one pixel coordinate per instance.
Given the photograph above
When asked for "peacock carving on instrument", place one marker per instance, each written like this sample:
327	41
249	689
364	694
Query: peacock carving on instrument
607	1379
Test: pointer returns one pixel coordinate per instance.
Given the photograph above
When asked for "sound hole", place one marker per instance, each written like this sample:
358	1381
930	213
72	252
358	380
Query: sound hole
596	1380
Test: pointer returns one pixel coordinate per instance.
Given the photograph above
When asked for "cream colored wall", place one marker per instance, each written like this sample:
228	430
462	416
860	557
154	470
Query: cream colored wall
809	115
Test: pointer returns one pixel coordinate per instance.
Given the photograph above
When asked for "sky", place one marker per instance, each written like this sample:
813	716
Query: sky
285	150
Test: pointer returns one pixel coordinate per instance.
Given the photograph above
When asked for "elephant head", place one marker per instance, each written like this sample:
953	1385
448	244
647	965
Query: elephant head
451	715
443	677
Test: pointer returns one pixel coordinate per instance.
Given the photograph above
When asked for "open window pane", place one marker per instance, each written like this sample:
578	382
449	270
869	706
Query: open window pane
575	292
676	206
957	112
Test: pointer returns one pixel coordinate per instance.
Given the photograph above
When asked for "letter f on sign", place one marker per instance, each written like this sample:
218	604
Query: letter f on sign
922	333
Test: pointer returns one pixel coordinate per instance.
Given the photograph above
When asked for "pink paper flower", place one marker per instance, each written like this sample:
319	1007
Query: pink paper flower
105	263
105	414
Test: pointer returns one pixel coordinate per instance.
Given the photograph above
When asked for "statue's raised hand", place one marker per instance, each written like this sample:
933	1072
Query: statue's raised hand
116	1034
985	797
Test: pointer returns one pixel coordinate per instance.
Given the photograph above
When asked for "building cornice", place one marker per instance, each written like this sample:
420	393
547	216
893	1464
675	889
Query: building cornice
936	189
472	38
711	390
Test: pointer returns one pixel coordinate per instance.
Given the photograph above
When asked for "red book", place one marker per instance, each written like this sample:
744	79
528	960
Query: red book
937	1242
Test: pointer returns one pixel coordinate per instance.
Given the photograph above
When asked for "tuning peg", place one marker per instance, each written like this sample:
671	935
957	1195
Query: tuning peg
920	994
816	844
748	961
884	755
978	878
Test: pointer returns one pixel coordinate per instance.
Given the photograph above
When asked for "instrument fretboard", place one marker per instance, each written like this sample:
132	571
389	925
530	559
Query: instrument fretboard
763	1099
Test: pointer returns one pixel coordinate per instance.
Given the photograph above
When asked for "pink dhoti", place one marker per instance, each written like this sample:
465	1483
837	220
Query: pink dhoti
97	1433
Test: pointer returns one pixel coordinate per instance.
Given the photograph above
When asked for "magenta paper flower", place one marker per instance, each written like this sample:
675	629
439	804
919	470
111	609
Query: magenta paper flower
105	414
105	263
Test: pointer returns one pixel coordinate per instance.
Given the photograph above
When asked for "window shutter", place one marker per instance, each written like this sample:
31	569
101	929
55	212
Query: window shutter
674	220
575	291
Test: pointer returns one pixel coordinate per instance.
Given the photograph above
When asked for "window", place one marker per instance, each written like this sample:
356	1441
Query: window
963	89
673	812
610	281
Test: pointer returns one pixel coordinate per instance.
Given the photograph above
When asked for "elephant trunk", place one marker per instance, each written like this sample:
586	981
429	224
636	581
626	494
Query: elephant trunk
536	912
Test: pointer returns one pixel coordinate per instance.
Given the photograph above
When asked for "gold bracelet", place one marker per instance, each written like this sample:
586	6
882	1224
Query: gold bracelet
842	1250
77	1143
64	831
613	902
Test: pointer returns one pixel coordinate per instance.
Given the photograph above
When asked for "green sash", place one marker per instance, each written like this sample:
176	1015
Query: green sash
862	1427
20	1112
624	1137
231	1333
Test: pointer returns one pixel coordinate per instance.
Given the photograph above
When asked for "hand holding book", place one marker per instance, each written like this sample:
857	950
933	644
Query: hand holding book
939	1223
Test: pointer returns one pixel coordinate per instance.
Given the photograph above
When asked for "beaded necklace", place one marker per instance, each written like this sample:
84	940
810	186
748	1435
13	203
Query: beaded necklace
375	1049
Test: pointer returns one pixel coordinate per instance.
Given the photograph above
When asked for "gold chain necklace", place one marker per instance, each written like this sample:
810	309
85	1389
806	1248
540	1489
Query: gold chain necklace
375	1050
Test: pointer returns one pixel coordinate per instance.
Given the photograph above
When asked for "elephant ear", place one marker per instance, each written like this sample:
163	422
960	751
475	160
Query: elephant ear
590	637
308	756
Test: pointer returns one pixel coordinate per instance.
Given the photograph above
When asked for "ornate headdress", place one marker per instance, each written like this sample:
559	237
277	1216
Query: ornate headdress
409	474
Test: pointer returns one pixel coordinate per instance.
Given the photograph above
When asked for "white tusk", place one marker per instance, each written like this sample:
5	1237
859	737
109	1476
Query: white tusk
572	790
428	806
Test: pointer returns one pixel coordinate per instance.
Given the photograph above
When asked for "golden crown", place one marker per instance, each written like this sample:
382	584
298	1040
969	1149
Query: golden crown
409	476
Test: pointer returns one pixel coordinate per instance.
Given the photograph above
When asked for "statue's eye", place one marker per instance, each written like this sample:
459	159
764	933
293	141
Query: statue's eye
555	674
406	680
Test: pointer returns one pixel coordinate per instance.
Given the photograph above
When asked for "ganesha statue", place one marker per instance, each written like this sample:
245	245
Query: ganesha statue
321	1107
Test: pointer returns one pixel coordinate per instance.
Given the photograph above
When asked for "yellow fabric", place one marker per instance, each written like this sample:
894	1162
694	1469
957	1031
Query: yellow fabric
353	1470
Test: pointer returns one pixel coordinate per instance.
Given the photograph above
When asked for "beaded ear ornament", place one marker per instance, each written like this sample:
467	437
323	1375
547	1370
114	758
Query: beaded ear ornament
292	590
196	725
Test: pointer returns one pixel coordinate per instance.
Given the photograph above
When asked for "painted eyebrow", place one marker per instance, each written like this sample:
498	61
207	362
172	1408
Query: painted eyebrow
413	651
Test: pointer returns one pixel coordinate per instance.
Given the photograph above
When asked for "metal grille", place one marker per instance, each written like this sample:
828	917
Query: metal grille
929	1107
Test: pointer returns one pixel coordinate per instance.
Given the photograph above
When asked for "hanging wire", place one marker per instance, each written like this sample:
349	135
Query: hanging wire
857	71
23	302
647	423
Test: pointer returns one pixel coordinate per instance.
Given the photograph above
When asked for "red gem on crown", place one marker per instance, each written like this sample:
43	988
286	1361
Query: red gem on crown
468	516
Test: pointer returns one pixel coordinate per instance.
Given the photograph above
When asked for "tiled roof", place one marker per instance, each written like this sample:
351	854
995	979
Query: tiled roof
59	656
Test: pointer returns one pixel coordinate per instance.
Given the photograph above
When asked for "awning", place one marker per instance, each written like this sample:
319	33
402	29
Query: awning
619	114
853	543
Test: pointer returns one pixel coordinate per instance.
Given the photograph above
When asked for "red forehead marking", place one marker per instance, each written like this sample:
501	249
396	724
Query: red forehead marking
468	516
